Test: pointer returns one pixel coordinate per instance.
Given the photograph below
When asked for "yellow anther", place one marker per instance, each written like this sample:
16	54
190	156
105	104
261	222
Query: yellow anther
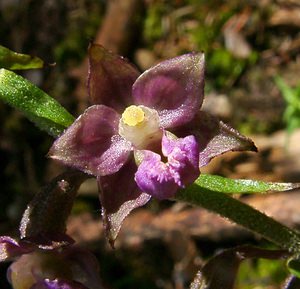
133	115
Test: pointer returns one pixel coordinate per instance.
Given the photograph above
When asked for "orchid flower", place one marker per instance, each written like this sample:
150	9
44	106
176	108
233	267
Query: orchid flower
49	267
144	136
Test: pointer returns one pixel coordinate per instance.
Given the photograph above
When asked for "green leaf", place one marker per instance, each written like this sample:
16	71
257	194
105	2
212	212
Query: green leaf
239	186
13	60
37	106
241	214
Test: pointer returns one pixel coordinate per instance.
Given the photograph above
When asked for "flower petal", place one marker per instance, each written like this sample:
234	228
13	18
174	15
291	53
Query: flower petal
175	88
215	137
183	157
10	248
110	78
155	177
162	180
92	144
58	284
119	195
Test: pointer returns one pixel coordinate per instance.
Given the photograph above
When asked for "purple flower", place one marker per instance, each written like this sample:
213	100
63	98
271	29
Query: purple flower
61	267
145	135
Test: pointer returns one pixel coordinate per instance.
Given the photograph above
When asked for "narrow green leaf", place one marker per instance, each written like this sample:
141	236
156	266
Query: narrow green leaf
243	215
15	61
37	106
239	186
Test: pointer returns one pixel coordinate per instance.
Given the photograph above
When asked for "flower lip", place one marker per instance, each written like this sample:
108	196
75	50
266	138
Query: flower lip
155	177
161	179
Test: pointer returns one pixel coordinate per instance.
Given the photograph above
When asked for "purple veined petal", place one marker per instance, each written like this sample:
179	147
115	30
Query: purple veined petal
110	78
58	284
92	143
175	88
215	137
10	248
155	177
183	157
119	195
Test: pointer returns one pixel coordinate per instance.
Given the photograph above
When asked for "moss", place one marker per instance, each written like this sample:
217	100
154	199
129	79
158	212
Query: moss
153	23
72	48
261	271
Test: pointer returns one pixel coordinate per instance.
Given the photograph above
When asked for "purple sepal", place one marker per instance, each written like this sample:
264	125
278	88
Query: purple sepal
57	284
162	180
92	143
48	241
110	78
175	88
10	248
215	137
119	195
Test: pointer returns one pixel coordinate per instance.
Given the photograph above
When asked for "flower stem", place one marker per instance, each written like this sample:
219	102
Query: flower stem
243	215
